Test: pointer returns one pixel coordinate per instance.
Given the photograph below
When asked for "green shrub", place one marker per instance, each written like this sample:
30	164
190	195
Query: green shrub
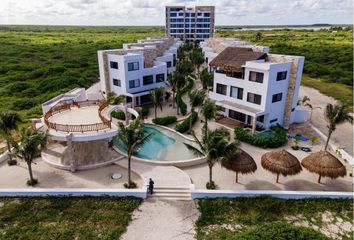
211	185
118	115
184	126
275	137
182	105
12	162
280	231
131	184
32	183
145	111
164	120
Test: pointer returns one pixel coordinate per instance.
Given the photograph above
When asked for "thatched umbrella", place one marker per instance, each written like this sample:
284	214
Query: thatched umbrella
324	164
240	162
281	162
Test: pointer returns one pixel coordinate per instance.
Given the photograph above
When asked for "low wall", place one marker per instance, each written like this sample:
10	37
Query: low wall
276	194
73	192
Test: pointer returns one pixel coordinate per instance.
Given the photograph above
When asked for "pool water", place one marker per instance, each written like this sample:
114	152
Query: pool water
164	145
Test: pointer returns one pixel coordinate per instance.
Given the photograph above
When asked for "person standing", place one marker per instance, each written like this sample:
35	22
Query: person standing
151	186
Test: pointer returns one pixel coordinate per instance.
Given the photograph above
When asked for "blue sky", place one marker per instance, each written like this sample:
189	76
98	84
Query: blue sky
151	12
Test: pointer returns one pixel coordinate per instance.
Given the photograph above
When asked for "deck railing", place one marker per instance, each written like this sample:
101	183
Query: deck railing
64	106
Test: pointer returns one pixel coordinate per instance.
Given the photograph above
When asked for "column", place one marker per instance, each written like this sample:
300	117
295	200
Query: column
70	150
254	120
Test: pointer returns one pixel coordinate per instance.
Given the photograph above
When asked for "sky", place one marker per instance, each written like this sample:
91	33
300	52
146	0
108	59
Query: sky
152	12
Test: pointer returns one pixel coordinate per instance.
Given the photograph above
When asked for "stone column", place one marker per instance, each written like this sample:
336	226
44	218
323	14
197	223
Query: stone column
106	73
70	151
254	121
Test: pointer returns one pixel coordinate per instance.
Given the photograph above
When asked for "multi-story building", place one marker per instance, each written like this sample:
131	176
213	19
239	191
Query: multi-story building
190	24
252	86
138	68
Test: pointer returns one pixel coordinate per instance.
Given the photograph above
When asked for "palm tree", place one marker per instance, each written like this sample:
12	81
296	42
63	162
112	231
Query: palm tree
209	110
156	96
197	58
133	137
215	147
172	80
8	122
196	98
336	114
181	82
305	102
31	144
206	78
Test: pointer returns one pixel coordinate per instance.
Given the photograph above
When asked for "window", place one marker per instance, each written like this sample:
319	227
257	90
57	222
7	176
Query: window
133	66
277	97
256	77
160	77
148	80
134	83
206	14
293	109
260	118
221	89
273	120
113	65
254	98
169	64
237	115
236	92
281	75
117	82
174	60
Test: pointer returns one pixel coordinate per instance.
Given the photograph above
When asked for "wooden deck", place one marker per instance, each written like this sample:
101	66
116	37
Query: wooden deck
231	123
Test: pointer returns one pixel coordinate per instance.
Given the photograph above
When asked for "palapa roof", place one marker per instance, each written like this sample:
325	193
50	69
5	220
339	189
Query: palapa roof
241	162
232	58
324	164
281	162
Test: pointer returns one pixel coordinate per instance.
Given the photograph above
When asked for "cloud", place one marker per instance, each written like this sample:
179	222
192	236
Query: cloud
152	12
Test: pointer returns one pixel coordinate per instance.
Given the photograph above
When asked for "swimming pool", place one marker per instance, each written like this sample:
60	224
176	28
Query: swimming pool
164	145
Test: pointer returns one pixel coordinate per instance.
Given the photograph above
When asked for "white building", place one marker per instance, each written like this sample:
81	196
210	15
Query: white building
190	24
252	86
138	68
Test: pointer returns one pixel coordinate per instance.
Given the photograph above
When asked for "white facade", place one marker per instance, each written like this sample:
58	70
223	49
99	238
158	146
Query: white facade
137	68
276	96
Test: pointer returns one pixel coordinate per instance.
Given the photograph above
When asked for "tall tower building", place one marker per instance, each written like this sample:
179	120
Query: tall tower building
190	24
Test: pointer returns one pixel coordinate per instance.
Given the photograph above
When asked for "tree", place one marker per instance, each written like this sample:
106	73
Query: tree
258	36
334	115
196	98
132	137
181	82
31	144
197	58
305	102
172	80
206	78
156	96
215	147
209	110
8	121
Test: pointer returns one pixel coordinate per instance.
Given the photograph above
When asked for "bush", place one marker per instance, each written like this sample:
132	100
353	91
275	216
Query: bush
164	120
145	111
131	184
280	231
211	185
12	162
118	115
275	137
184	126
182	105
32	183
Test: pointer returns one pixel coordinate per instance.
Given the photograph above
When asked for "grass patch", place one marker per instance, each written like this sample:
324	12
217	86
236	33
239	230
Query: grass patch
251	212
66	218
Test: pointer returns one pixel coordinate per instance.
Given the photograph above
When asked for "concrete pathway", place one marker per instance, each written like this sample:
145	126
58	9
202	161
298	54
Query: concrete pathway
163	219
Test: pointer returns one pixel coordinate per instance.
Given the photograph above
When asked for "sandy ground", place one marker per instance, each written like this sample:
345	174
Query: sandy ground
343	135
163	219
50	177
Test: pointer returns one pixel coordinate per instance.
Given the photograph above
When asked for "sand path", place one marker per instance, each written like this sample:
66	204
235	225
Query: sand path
163	219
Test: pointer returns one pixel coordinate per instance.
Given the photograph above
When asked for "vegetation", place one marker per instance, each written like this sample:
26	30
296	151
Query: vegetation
31	144
273	138
206	78
215	147
157	95
132	137
164	121
260	218
184	126
336	114
328	56
118	115
8	121
196	98
209	110
66	218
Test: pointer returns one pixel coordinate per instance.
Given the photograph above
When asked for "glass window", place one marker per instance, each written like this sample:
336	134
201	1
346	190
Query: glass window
273	120
206	14
148	80
281	75
160	77
169	64
256	77
254	98
277	97
173	14
236	92
134	83
221	89
260	118
113	65
133	66
117	82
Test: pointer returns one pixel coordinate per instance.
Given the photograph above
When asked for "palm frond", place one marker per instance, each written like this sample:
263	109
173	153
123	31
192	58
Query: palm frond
195	150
